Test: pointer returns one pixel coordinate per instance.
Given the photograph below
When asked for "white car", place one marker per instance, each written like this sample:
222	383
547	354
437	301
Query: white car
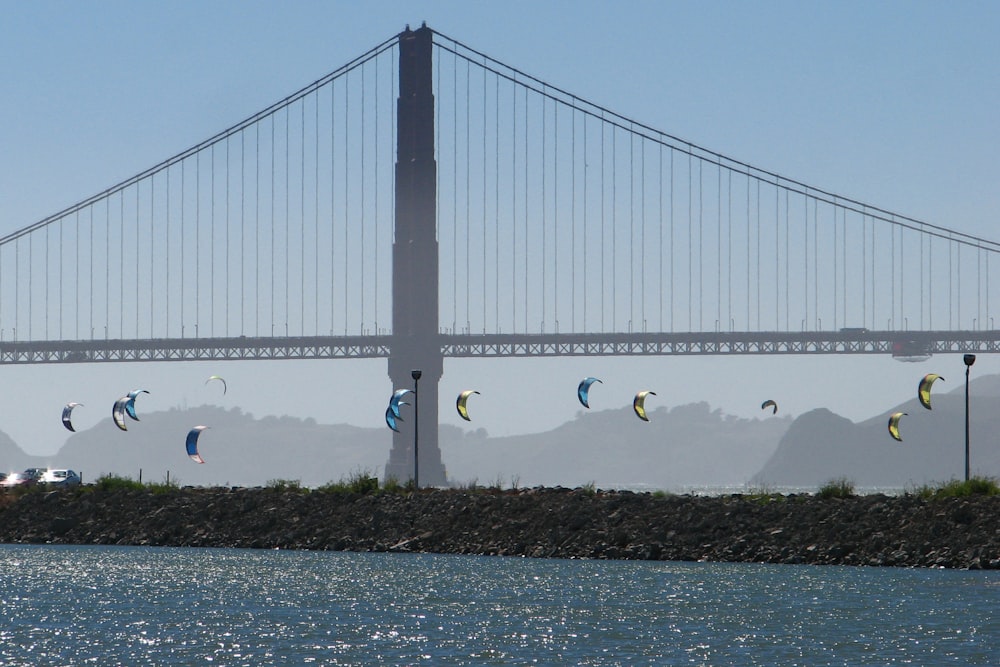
60	477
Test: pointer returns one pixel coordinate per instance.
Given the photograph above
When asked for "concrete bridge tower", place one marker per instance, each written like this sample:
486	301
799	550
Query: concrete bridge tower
415	342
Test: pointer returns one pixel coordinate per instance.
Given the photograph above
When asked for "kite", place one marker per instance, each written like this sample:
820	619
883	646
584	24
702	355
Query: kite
924	389
118	412
894	425
220	379
463	412
397	396
639	404
769	403
390	419
130	404
583	390
66	415
192	444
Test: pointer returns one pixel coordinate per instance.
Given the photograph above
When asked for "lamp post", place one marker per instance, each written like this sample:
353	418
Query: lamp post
969	359
415	374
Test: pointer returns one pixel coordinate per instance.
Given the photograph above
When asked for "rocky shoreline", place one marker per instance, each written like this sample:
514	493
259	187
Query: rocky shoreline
874	530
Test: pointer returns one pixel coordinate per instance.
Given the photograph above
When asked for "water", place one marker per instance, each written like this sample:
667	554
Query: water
168	606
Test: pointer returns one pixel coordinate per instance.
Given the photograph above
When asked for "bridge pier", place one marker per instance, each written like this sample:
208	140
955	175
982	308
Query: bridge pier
415	339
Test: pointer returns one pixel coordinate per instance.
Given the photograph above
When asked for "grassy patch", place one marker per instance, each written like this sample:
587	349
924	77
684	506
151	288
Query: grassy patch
117	482
360	482
284	485
975	486
837	488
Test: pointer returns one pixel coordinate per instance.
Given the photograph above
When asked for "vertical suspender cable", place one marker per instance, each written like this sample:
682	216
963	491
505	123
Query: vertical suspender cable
748	327
273	223
243	220
527	245
642	245
121	267
468	197
555	213
513	210
228	277
167	268
729	248
76	280
542	175
454	191
758	225
777	255
614	226
485	125
496	226
816	257
211	252
659	226
671	239
701	244
256	230
316	222
378	149
631	228
361	213
788	252
333	178
347	113
302	217
288	221
843	250
197	245
107	269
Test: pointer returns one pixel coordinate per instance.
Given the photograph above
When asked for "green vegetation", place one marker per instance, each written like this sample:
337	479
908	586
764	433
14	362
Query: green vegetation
763	494
975	486
285	485
361	482
837	488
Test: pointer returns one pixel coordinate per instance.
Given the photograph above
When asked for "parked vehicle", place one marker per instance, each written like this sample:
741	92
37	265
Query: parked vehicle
60	477
27	478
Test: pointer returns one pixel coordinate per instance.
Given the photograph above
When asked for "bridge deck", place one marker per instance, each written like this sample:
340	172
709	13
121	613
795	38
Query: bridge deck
902	344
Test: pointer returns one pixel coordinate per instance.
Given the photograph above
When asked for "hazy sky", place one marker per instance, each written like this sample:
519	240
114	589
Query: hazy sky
891	103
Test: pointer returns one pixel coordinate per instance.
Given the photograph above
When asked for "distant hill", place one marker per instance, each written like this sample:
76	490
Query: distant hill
687	446
820	446
679	448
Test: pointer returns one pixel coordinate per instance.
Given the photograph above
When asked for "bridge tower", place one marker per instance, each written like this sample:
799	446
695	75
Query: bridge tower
415	343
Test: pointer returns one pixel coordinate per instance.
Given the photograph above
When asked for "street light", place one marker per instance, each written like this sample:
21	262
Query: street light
415	374
969	359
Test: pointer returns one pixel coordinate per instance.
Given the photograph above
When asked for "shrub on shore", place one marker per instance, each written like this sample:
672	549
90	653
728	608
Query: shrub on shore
975	486
837	488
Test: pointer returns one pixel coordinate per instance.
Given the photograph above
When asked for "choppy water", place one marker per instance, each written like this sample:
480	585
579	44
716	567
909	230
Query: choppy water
166	606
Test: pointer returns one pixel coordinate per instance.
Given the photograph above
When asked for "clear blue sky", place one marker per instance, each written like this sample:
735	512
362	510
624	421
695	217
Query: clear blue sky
891	103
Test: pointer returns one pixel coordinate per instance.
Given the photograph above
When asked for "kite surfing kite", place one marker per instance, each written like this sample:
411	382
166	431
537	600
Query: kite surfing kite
220	379
924	389
130	404
639	404
118	412
894	425
192	444
67	415
391	418
463	412
583	390
394	402
769	404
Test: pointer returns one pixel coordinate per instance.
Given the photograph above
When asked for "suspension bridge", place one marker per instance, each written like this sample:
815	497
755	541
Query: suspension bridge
426	201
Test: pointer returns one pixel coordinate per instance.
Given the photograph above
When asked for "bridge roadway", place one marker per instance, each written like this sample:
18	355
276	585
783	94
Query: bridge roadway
902	344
